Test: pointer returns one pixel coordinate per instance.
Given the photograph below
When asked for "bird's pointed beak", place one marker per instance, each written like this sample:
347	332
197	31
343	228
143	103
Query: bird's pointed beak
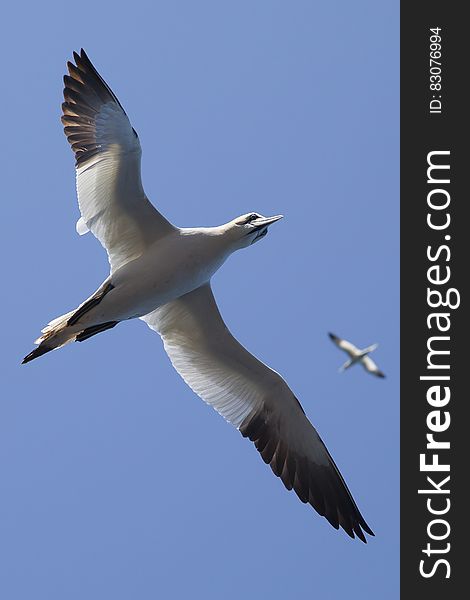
265	221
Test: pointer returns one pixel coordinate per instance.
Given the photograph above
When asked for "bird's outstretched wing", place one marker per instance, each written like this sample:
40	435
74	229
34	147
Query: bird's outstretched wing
257	401
349	348
107	152
370	366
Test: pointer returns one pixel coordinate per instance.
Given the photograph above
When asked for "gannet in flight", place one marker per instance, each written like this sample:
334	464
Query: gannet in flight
161	273
357	356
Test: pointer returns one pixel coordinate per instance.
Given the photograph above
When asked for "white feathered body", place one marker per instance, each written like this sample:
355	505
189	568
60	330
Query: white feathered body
178	263
173	266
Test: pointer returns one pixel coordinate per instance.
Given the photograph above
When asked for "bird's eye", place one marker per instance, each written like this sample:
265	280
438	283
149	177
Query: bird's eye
251	217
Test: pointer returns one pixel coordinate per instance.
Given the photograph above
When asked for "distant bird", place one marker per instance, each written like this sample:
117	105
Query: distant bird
161	274
357	356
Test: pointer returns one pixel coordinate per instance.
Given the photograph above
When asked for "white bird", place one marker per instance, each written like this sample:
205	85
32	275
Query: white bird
356	355
161	274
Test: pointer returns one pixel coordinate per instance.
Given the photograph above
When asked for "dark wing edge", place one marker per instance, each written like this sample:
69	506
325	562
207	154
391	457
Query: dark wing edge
85	92
321	486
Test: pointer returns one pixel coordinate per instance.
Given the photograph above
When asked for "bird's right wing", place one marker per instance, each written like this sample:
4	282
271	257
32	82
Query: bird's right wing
257	401
370	366
111	198
344	345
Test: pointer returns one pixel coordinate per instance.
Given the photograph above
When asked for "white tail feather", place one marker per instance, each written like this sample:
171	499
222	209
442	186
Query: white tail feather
54	327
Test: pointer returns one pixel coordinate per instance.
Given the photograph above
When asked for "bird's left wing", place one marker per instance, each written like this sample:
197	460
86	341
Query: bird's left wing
257	401
349	348
370	366
107	150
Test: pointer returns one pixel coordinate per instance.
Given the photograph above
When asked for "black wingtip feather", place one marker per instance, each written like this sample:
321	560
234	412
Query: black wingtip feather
366	528
325	491
85	92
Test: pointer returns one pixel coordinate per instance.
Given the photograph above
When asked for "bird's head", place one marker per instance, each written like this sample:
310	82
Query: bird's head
248	229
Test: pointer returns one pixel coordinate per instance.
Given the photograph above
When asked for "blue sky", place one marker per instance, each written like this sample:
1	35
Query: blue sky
116	480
